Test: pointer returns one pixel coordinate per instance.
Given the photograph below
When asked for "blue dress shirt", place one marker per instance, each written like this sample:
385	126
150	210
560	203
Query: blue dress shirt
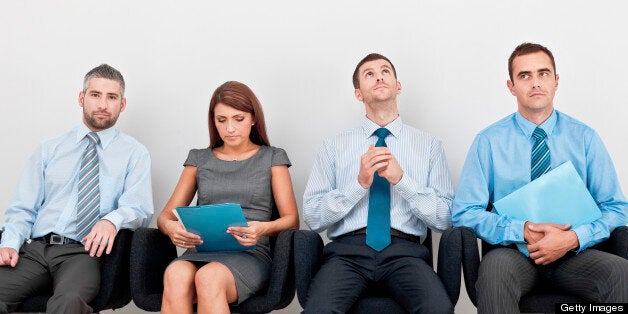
334	199
499	163
46	195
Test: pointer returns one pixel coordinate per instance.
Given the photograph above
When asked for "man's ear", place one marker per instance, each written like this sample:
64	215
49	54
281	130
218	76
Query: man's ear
511	87
81	98
123	104
358	94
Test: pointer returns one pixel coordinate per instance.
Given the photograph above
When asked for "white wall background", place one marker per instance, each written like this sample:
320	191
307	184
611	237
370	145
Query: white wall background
451	58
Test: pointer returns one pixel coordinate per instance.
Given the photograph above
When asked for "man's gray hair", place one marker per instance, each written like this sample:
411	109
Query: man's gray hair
107	72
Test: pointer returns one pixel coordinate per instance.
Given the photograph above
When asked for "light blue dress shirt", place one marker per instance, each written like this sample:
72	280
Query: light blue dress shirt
46	195
334	199
499	163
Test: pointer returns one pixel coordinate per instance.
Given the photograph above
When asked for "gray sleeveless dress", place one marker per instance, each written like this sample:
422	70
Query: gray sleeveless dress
248	183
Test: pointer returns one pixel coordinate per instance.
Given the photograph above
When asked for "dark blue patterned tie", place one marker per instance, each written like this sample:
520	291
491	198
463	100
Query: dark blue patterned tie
378	225
541	162
88	205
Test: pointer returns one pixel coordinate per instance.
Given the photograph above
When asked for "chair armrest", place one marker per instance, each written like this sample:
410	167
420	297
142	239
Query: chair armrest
449	267
470	261
308	258
280	291
114	280
617	243
151	253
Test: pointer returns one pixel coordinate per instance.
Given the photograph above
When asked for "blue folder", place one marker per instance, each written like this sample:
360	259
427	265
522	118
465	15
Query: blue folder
558	196
211	223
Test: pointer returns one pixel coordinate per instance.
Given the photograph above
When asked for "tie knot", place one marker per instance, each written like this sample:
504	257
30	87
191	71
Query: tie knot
93	137
382	133
539	134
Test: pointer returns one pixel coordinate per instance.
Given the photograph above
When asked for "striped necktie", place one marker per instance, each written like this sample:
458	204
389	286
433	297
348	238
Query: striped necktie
88	204
541	162
378	224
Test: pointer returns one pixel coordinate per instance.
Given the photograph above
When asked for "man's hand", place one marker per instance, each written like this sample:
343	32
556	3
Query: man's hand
378	159
392	172
8	256
557	240
100	237
531	236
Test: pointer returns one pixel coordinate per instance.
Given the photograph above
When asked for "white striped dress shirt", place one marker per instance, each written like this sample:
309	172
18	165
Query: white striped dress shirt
334	200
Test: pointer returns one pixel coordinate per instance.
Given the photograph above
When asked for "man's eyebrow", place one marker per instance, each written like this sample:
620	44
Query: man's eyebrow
537	71
383	66
367	69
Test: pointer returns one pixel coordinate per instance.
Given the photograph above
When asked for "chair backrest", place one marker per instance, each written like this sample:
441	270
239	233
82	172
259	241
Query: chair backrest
428	244
273	215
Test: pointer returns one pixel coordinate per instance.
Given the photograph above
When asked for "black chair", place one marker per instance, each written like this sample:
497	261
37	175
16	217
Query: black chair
308	254
543	297
114	275
153	251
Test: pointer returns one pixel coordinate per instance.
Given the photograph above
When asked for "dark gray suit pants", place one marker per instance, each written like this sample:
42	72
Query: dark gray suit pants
73	275
351	266
506	275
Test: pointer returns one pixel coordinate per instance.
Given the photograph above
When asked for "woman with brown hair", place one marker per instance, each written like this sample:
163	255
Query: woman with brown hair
240	167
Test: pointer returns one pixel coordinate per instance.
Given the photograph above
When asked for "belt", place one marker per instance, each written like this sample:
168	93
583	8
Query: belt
393	232
53	238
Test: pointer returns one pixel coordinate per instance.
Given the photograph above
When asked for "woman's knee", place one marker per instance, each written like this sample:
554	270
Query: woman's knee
179	274
214	278
213	274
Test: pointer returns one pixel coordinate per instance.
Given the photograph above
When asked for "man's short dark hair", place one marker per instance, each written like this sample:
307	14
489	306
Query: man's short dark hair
107	72
370	57
525	49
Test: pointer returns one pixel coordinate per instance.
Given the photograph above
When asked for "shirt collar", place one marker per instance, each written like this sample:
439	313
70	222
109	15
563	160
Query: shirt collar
528	127
106	136
394	127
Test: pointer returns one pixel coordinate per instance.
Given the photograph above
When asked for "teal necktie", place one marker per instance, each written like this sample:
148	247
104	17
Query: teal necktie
88	204
378	225
541	161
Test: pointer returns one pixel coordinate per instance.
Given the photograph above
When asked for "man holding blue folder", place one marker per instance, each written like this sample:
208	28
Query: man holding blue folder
510	154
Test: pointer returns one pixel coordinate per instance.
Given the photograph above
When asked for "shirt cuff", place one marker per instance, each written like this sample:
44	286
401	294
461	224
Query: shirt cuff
409	190
11	242
115	218
354	192
583	238
516	231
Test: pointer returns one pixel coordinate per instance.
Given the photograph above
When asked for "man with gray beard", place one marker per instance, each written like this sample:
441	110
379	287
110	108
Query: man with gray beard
76	192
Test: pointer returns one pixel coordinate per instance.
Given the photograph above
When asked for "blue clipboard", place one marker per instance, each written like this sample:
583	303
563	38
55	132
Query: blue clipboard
558	196
211	223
